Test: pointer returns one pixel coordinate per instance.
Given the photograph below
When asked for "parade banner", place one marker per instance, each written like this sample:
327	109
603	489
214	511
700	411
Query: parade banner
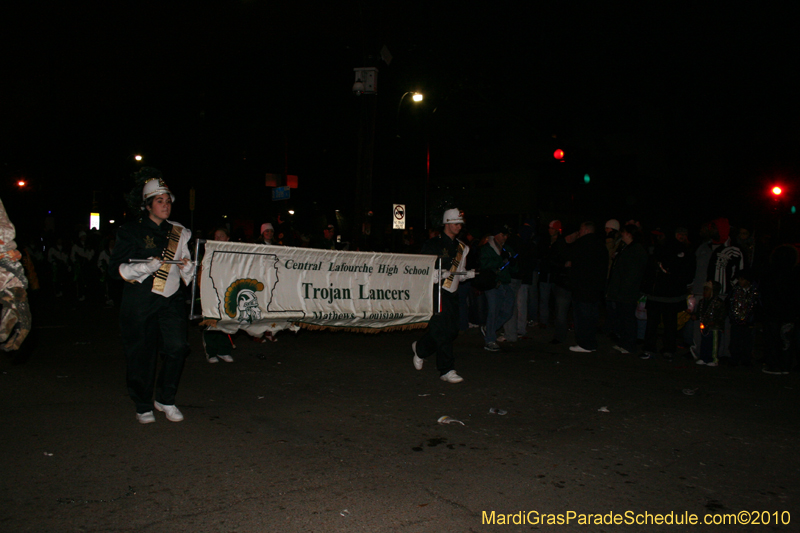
260	288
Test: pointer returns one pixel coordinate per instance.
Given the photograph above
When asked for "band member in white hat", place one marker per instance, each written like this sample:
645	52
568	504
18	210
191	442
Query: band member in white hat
443	327
153	318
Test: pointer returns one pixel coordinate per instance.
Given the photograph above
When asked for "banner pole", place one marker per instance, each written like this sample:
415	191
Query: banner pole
192	316
438	273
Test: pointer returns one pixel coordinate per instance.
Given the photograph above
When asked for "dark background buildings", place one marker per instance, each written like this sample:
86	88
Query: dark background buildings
676	115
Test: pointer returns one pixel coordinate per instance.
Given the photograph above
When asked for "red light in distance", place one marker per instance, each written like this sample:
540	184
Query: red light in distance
559	154
777	191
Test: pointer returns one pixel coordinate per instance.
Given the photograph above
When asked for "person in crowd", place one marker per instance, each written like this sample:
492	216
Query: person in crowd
443	326
58	260
496	257
709	241
587	265
711	314
741	304
80	256
726	260
551	269
108	284
669	274
613	240
217	344
521	280
624	288
779	298
153	318
328	239
267	235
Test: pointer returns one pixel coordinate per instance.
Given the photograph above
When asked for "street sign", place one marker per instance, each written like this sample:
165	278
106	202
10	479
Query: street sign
398	216
280	193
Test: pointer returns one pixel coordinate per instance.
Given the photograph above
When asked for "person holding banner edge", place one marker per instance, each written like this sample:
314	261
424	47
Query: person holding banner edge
443	327
153	319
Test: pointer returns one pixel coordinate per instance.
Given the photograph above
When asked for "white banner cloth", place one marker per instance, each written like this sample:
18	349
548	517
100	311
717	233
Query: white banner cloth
261	288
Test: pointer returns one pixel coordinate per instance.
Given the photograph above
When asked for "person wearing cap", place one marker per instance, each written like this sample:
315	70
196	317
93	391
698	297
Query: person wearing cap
443	327
498	257
267	234
328	241
153	318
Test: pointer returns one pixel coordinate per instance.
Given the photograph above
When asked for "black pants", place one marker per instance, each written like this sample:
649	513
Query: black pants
442	331
152	325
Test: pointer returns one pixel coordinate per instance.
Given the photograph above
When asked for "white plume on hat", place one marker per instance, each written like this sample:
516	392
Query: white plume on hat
154	187
453	216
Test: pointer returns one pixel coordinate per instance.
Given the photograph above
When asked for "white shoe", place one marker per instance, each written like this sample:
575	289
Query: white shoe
578	348
146	418
620	349
173	413
212	359
452	377
500	338
418	361
700	362
226	358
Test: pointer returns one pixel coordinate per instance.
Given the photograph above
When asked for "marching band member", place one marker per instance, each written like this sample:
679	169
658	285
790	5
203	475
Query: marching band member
443	327
153	319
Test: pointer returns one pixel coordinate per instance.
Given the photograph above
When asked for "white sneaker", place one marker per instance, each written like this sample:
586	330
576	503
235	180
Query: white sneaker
501	338
226	358
712	363
418	361
579	348
146	418
212	359
452	377
620	349
173	413
700	362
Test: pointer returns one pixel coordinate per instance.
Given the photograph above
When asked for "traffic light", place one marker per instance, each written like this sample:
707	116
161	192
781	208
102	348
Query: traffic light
776	191
559	154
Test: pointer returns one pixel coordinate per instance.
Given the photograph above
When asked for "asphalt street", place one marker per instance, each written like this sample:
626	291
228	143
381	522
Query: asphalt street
335	432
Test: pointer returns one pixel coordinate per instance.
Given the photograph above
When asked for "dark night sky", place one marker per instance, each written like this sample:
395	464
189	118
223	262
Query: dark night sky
677	107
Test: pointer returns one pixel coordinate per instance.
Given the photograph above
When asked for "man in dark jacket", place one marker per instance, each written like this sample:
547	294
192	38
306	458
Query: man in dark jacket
624	288
672	270
587	261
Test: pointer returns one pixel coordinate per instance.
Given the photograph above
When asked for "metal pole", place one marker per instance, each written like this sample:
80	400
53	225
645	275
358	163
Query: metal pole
192	316
438	272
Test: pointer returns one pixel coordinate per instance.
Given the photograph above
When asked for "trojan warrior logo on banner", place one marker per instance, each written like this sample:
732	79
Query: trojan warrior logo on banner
259	288
241	301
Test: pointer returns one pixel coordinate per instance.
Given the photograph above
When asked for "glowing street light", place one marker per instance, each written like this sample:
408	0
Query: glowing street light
137	157
417	97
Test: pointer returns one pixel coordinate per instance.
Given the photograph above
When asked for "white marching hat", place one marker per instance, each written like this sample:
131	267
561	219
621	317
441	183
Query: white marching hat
453	216
154	187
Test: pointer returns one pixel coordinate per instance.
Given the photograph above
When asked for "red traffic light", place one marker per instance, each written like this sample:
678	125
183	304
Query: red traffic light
777	191
559	154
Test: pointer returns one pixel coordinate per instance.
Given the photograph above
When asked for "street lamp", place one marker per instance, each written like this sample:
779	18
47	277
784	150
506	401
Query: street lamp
416	97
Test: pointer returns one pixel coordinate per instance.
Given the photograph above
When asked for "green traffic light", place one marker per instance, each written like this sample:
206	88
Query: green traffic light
794	210
586	178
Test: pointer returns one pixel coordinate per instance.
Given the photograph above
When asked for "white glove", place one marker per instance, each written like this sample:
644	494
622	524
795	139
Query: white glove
440	275
469	275
139	271
188	266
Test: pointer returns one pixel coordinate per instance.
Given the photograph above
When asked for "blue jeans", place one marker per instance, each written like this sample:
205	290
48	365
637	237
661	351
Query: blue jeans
563	298
501	307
